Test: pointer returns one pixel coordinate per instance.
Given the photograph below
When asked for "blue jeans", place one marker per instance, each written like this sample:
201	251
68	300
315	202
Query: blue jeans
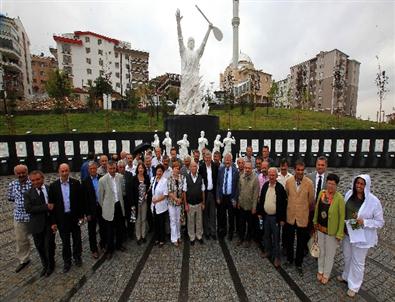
272	236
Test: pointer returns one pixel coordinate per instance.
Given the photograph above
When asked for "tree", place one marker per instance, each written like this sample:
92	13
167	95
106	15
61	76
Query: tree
133	102
381	83
272	93
59	87
173	94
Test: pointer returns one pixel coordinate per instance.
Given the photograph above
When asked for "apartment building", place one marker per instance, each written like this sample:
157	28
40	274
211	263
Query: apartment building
86	55
42	66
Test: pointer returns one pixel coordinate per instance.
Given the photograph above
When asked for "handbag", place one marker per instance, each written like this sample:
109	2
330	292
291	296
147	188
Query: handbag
313	246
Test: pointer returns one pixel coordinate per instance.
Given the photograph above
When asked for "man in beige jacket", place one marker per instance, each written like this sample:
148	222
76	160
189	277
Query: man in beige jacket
300	192
111	201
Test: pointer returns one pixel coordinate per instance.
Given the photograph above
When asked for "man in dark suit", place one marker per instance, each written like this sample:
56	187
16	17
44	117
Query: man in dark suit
209	172
36	204
227	195
93	211
151	172
67	215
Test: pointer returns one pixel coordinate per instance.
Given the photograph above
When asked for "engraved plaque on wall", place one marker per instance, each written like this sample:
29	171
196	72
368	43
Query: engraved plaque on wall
278	146
69	148
84	147
137	142
315	145
98	147
327	145
255	145
302	145
4	150
391	145
38	149
126	145
267	142
243	145
379	145
340	145
365	145
112	146
21	149
352	145
290	145
54	148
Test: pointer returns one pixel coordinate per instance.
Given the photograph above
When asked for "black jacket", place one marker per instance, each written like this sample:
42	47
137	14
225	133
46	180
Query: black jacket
38	210
214	171
135	189
88	196
76	205
281	201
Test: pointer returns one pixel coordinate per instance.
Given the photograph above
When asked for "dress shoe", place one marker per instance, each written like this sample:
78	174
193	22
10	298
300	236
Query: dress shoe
277	262
201	241
351	293
161	244
66	268
193	242
265	255
49	272
121	248
21	266
78	262
299	270
108	255
214	237
43	272
340	279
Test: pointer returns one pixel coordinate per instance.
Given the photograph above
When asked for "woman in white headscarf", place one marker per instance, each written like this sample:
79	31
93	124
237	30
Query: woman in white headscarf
364	215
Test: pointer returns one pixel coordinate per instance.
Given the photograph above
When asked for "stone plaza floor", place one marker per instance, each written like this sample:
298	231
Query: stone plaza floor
214	271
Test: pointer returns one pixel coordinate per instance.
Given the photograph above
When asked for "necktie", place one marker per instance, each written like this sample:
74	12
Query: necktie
226	181
318	187
155	184
42	197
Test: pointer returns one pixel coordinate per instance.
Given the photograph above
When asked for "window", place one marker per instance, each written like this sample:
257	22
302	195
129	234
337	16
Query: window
89	82
128	85
66	48
117	74
118	85
99	42
127	57
101	72
127	75
87	40
116	55
89	71
100	62
87	50
41	73
100	52
127	66
88	60
116	65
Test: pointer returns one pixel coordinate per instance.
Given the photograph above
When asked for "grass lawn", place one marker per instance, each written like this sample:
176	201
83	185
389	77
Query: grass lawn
276	119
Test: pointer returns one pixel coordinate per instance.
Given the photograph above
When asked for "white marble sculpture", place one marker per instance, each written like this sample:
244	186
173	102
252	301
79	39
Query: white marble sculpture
183	149
202	143
228	141
191	95
217	144
156	142
167	142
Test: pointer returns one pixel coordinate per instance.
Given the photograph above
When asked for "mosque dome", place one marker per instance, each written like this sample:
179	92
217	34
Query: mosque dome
244	61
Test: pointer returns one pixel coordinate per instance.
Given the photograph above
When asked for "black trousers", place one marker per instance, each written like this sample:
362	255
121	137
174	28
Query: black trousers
92	225
115	229
129	226
45	245
302	236
246	219
70	228
224	207
160	226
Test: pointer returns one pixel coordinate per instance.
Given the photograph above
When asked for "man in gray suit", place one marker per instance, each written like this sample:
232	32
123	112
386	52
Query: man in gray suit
113	210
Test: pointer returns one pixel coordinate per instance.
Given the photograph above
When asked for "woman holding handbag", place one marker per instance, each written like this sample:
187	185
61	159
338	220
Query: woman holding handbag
329	224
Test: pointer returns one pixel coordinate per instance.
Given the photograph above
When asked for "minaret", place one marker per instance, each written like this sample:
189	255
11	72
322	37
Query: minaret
235	24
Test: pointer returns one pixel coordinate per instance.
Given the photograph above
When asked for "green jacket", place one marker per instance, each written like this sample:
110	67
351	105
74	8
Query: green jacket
336	215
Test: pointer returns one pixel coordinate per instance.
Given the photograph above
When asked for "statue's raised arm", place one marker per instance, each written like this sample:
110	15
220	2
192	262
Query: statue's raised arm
203	45
179	32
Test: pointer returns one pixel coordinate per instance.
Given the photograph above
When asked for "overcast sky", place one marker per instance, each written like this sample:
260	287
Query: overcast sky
275	34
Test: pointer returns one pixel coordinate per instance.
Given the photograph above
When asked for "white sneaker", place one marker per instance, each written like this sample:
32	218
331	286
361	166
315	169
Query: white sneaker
351	293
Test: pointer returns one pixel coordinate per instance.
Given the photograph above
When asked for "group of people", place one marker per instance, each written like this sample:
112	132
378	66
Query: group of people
211	197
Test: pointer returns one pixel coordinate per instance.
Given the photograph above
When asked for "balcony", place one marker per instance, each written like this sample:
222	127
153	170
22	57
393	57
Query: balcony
11	66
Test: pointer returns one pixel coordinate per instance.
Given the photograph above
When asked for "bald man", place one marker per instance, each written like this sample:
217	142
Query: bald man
16	191
65	195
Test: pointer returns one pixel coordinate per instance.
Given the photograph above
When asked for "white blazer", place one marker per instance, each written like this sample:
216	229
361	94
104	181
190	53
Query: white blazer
160	189
107	198
371	212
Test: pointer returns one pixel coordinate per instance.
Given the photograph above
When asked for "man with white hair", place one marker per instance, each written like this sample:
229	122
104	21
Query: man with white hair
227	195
16	191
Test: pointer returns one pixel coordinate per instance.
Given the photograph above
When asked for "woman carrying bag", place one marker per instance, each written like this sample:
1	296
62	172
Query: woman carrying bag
329	224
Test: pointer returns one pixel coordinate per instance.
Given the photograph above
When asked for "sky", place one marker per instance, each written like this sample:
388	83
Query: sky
274	34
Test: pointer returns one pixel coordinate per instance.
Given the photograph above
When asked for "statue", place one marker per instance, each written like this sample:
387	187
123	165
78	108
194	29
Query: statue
167	142
202	142
228	142
184	144
156	142
191	95
217	144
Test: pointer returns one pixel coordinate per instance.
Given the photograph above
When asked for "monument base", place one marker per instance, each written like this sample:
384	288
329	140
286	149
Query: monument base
178	125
